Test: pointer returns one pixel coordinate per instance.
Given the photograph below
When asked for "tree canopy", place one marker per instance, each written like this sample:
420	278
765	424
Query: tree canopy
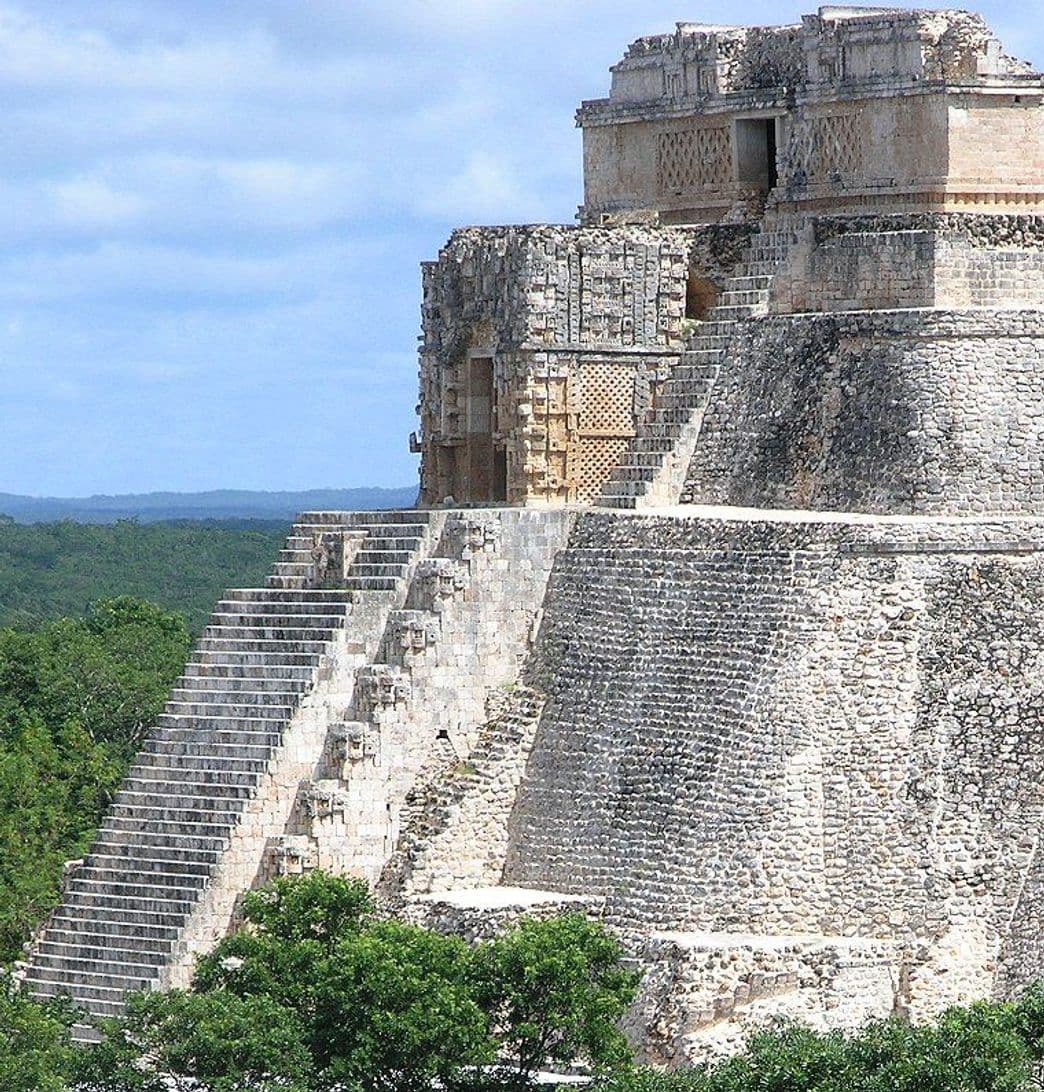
372	1004
76	697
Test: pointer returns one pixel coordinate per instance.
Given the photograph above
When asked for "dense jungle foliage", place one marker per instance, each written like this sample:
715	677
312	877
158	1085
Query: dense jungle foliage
318	993
76	696
51	570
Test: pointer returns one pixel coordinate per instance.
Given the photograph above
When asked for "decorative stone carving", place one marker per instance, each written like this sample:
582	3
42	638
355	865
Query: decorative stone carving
326	555
333	553
442	580
353	742
325	799
414	631
476	534
291	855
381	686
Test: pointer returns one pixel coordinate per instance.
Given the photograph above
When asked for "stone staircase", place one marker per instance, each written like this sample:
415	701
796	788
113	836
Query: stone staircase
125	906
652	471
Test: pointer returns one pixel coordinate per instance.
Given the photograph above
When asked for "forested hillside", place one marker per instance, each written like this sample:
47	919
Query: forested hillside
50	570
219	504
76	697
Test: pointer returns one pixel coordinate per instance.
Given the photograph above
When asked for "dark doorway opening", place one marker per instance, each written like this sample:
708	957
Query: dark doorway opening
486	457
499	474
756	153
701	296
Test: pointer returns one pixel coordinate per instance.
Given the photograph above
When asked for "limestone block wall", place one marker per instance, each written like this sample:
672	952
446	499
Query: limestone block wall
457	644
826	727
931	260
703	993
904	411
852	110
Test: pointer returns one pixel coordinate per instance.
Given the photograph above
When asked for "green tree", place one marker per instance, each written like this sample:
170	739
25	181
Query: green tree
109	671
216	1041
36	1052
383	1005
53	570
53	787
555	990
75	699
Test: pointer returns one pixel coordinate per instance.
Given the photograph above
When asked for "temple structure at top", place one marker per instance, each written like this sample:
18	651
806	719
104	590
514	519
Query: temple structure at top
865	160
854	110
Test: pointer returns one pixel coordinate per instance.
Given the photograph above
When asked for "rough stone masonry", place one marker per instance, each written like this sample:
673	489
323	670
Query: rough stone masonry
719	615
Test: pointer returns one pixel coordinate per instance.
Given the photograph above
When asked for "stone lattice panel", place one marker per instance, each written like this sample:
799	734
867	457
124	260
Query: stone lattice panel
606	401
605	422
694	159
597	456
829	146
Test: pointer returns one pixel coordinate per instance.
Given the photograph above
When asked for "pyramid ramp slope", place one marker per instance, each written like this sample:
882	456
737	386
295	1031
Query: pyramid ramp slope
218	773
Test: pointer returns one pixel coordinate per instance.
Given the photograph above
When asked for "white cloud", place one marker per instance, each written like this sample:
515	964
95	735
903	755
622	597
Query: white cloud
93	203
487	189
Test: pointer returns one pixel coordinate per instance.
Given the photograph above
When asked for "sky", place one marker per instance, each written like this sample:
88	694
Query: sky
212	216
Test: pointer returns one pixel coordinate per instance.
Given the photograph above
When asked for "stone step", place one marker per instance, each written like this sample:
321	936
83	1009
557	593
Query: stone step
625	502
132	803
246	688
158	841
371	583
139	865
181	790
272	630
199	721
214	674
259	608
214	704
275	596
382	557
209	751
272	645
123	934
151	824
270	660
95	975
89	956
323	618
166	912
749	281
200	729
622	488
421	517
395	543
101	1001
393	571
172	855
203	769
114	891
743	297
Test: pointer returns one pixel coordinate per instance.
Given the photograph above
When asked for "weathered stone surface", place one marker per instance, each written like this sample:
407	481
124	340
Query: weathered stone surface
791	747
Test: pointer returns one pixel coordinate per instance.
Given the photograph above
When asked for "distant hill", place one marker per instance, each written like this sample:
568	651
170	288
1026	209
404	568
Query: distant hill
50	570
219	504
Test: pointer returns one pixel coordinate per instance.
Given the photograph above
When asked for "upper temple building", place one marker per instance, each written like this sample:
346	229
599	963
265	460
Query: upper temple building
746	190
855	110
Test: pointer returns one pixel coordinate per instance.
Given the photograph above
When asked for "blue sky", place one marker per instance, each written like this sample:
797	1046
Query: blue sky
212	215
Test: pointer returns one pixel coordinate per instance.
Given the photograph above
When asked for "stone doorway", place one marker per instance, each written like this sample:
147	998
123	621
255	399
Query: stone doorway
485	460
756	153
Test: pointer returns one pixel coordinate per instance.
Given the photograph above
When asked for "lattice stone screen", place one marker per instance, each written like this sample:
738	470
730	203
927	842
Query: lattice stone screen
829	145
694	159
605	422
